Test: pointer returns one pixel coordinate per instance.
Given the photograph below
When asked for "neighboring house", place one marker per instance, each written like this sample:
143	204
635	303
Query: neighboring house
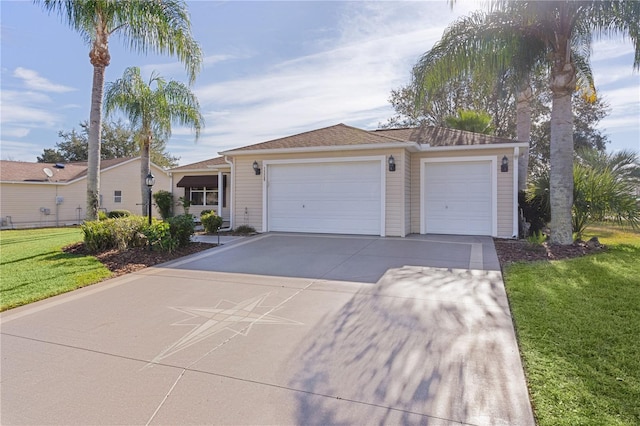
45	194
392	182
205	184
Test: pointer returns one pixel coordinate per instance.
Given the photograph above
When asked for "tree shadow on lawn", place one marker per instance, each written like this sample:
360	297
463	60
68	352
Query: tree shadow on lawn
416	348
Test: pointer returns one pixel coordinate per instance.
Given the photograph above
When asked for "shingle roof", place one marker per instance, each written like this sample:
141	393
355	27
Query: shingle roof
338	135
442	136
211	162
19	171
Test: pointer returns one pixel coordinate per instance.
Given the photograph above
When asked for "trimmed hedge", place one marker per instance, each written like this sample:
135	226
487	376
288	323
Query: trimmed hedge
118	213
134	231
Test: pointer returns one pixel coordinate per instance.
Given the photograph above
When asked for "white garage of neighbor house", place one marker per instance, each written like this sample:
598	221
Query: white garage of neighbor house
46	194
391	182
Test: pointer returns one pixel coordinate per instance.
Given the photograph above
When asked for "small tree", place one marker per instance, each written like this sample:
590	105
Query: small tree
471	121
164	202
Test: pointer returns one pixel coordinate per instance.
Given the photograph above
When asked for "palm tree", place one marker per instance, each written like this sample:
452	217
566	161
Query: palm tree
556	34
152	111
477	47
471	121
160	26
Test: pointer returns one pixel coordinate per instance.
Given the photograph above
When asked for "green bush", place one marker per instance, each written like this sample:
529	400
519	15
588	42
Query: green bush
206	211
164	203
181	229
185	203
98	235
120	233
118	213
245	230
159	236
211	222
102	215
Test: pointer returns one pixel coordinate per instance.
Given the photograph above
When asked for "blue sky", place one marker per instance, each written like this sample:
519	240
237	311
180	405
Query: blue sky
271	69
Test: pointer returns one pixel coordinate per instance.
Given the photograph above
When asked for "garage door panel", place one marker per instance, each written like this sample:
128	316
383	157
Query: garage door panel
325	197
458	198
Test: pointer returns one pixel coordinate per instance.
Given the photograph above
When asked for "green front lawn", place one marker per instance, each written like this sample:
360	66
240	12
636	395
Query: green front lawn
34	267
578	325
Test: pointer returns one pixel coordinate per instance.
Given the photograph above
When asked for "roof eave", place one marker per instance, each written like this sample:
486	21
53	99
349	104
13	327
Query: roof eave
428	148
390	145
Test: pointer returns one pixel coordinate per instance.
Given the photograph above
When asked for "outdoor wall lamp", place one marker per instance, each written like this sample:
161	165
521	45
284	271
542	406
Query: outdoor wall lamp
256	168
505	164
150	180
392	164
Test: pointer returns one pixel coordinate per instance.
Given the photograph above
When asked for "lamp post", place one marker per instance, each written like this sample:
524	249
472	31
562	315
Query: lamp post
150	180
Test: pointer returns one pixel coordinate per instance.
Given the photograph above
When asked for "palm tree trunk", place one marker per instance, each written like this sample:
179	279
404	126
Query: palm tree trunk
145	167
94	142
563	80
523	131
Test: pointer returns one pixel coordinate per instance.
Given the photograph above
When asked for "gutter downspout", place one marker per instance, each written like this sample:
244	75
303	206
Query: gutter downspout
230	201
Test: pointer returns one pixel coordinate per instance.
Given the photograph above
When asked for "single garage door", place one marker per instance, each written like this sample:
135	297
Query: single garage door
325	197
458	198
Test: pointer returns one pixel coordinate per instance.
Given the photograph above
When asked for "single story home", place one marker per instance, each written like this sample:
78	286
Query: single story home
345	180
45	194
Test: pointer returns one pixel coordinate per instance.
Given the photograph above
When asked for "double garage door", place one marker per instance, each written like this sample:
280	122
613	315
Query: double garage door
347	197
325	197
458	198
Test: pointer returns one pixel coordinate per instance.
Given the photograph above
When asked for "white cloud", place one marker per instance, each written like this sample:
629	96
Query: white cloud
27	108
34	81
348	82
15	132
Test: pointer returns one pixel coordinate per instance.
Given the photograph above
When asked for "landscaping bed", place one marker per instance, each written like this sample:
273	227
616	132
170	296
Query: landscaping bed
510	251
136	258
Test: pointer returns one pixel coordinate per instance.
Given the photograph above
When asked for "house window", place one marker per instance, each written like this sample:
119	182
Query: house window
117	196
203	196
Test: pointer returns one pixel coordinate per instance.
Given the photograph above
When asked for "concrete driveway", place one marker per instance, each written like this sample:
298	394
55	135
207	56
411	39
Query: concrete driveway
276	329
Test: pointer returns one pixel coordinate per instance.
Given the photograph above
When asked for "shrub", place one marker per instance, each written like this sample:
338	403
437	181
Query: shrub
120	233
186	204
245	229
159	236
535	211
181	229
211	222
164	203
102	215
118	213
206	211
98	235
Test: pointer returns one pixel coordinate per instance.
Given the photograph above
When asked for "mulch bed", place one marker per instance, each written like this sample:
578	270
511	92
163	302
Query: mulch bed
523	251
134	259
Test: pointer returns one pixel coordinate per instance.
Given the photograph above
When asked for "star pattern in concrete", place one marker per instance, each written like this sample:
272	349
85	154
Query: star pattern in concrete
235	317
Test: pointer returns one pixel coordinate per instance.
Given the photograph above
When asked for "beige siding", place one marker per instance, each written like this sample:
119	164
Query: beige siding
407	192
248	187
504	190
505	197
126	178
26	202
394	217
196	210
247	202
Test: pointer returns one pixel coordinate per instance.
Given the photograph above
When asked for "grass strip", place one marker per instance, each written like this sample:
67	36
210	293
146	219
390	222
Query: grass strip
34	267
578	324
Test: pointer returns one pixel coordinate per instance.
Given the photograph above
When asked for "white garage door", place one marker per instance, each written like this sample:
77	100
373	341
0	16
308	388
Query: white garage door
331	197
458	198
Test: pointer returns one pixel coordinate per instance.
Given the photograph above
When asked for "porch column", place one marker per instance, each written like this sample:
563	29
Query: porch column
220	193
